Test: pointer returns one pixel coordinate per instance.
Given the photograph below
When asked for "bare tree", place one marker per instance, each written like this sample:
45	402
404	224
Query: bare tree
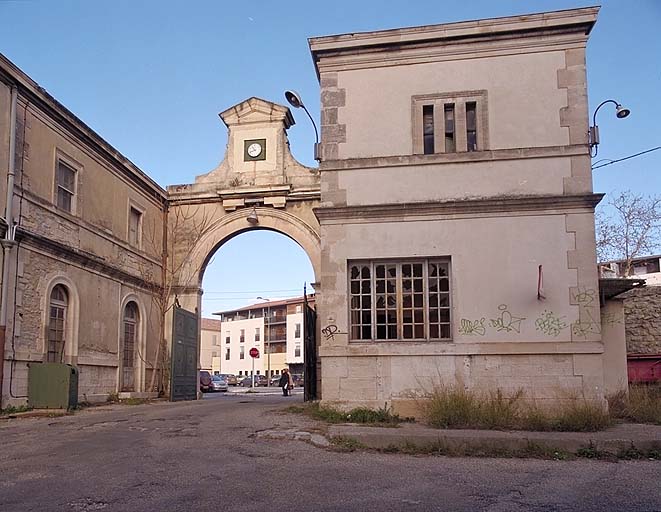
185	227
629	228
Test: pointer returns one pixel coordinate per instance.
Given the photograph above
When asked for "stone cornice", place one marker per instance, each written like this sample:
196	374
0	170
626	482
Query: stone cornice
452	158
37	96
471	207
413	44
84	259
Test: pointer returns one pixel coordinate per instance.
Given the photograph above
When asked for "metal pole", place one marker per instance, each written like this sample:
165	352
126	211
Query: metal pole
252	373
268	354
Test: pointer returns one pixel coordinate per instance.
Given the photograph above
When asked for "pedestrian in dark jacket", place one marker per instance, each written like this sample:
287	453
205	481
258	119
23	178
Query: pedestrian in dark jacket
284	382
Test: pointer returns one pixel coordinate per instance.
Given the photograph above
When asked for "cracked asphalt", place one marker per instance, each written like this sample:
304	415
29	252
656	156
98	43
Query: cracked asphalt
203	455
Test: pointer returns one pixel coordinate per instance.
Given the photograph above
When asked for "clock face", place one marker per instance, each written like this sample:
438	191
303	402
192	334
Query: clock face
254	149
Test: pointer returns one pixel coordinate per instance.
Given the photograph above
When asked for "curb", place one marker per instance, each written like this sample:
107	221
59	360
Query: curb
615	441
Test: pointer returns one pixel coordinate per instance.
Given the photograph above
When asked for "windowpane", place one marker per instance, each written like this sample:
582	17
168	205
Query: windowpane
65	186
428	129
409	302
56	324
471	125
448	111
134	226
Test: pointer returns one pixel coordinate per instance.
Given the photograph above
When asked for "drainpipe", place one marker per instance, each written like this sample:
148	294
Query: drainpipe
8	241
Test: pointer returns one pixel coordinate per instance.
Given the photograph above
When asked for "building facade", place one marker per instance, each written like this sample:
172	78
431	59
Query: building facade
457	212
275	328
83	255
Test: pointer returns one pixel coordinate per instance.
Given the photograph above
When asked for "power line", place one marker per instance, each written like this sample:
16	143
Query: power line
625	158
254	291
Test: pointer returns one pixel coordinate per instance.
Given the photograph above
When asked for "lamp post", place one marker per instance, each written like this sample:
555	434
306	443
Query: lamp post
267	341
593	134
295	101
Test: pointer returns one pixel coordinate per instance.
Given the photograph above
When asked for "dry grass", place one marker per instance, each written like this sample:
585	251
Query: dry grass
452	407
641	405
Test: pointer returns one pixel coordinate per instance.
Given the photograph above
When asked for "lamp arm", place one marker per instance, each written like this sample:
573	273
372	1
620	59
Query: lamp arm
594	116
314	125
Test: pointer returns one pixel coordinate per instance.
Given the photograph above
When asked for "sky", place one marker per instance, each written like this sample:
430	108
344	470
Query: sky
151	76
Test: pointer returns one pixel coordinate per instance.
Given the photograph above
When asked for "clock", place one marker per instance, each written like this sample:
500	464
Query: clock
254	149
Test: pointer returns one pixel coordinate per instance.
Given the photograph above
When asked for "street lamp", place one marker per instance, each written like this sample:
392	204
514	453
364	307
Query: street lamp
267	341
295	101
593	135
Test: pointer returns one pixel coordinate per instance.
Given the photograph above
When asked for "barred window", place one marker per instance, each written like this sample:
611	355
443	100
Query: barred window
400	300
59	302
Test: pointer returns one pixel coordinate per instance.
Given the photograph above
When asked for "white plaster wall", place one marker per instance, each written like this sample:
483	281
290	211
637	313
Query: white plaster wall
494	261
378	101
292	340
451	181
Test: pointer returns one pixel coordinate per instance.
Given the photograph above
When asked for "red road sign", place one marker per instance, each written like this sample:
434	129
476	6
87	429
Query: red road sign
254	352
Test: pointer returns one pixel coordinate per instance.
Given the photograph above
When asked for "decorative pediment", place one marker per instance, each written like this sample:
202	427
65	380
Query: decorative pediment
257	110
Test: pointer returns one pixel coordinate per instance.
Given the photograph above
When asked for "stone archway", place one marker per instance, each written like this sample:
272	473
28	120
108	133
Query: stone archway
258	185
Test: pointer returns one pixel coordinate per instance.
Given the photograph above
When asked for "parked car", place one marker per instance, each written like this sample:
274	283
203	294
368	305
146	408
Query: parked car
230	378
205	381
218	383
260	380
298	380
246	382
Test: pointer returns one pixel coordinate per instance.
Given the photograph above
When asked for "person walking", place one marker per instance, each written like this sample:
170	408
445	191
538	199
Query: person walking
284	382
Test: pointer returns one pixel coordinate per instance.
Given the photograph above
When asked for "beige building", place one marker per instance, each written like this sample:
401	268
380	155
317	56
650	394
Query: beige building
450	226
82	258
455	180
275	328
210	346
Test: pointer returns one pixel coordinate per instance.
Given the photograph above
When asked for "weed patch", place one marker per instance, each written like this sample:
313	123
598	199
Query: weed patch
641	405
14	410
449	407
381	417
346	444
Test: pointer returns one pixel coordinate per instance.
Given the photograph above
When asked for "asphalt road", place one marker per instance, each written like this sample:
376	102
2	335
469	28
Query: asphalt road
200	456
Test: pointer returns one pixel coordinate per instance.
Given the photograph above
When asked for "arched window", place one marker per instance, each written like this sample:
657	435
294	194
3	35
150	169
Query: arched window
131	319
58	305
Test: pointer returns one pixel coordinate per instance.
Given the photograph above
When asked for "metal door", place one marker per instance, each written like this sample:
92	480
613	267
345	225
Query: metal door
310	349
184	379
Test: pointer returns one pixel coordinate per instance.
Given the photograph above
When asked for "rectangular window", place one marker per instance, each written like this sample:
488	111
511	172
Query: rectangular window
407	300
135	227
297	350
227	354
450	122
297	331
242	336
471	126
214	340
242	352
256	333
448	112
428	129
227	337
66	186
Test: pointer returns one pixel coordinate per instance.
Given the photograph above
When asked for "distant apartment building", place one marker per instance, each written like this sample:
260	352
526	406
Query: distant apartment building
275	328
210	345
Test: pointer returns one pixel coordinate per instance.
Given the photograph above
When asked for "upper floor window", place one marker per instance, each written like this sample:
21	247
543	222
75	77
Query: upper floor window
214	339
450	122
227	337
297	331
58	305
242	336
256	333
400	300
135	226
65	186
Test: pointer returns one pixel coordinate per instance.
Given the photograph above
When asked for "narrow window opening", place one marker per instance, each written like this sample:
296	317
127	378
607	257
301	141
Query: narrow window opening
66	186
471	125
428	129
448	111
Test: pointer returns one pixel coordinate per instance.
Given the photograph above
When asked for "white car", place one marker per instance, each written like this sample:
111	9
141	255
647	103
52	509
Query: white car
218	383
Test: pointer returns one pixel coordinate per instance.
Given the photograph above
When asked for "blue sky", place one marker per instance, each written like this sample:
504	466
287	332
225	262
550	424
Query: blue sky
151	76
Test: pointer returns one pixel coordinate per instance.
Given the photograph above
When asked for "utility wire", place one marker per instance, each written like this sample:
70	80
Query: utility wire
594	167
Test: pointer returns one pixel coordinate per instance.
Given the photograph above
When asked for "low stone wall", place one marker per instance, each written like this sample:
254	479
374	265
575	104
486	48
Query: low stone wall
642	309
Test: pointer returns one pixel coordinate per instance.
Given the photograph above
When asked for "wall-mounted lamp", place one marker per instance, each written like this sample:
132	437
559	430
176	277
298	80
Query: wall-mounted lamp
593	135
252	217
295	101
